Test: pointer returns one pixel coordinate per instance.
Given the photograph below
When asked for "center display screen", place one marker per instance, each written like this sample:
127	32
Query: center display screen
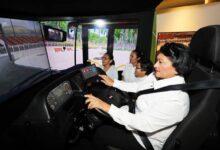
89	72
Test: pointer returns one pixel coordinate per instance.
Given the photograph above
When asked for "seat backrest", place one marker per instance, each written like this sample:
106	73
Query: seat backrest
191	133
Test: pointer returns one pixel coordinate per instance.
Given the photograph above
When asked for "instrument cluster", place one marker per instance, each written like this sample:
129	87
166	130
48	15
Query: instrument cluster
59	95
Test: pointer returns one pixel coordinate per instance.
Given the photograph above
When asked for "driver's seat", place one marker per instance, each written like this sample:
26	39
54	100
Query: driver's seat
202	119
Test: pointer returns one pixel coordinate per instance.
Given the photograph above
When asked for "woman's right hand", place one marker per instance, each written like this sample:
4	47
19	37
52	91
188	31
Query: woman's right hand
107	80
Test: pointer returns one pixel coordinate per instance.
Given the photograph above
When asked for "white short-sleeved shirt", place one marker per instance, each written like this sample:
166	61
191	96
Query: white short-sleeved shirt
155	112
128	73
140	79
112	72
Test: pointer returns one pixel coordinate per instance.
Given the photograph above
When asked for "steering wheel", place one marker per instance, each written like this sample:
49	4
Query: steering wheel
108	94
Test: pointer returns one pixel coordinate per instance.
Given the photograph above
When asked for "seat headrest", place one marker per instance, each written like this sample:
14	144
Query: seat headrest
205	44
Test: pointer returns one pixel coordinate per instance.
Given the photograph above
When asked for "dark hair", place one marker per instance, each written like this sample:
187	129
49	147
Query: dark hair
180	57
138	53
111	57
146	65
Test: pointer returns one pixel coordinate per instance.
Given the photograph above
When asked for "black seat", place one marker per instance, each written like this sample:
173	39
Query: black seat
202	119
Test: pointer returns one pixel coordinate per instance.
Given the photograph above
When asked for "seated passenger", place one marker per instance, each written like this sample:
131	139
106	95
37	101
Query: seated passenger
156	113
108	65
143	69
128	73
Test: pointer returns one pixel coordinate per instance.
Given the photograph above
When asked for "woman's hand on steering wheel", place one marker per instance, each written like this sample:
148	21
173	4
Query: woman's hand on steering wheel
94	102
107	80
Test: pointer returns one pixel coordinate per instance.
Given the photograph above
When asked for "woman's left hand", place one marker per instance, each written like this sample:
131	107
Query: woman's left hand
94	102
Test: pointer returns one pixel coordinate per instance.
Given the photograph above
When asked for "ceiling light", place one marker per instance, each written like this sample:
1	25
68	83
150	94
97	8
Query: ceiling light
100	23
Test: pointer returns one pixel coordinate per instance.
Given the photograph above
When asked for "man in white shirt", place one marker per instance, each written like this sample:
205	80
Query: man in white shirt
156	113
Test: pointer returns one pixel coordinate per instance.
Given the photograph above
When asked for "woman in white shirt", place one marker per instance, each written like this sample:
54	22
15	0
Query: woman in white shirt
156	113
108	65
128	73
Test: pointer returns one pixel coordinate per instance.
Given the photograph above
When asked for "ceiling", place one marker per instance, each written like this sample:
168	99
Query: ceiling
78	8
177	3
60	8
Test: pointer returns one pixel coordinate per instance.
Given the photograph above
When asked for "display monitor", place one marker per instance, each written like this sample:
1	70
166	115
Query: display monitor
89	72
53	34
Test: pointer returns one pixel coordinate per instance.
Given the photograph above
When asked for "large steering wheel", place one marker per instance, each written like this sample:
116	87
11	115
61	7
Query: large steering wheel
108	94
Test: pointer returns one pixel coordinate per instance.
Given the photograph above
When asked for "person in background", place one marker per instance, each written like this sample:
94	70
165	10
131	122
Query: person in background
128	73
156	114
143	69
108	65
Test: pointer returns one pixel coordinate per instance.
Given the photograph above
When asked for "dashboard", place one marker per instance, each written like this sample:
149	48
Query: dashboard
75	84
59	95
55	112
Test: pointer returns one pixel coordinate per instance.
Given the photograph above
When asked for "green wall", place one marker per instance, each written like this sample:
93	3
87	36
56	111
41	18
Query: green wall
153	41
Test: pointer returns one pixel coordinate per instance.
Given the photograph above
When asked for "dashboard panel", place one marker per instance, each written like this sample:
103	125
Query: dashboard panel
57	110
59	95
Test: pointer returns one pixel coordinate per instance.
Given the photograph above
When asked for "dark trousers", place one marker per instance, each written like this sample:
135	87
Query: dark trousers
115	136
